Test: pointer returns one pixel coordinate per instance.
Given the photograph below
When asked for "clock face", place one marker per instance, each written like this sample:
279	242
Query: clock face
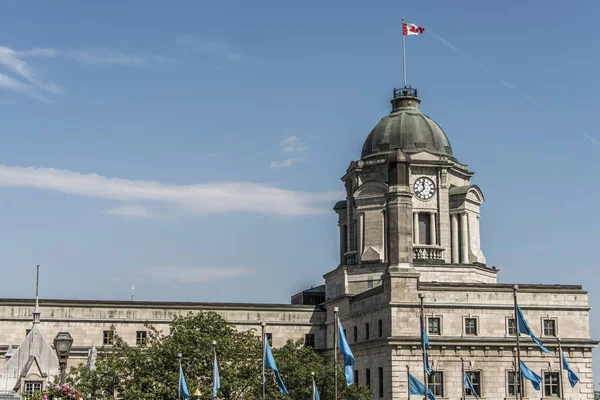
424	188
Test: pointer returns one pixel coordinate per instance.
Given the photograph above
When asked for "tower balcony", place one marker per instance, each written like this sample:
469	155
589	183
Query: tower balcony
427	252
351	257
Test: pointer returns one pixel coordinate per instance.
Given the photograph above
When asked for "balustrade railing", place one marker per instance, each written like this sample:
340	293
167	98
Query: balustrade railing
427	252
351	257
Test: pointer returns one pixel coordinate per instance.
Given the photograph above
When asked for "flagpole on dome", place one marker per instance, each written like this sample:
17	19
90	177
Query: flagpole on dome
517	334
560	363
335	346
403	53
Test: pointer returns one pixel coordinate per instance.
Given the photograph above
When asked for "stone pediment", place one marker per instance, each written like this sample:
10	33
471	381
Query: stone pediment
424	156
371	254
461	194
371	189
32	368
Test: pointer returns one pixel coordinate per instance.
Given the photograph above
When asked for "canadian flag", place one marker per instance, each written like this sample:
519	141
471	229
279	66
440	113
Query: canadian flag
411	29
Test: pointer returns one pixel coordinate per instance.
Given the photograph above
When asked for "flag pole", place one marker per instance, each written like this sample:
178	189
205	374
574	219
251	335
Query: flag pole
421	298
408	380
335	345
403	53
214	346
462	367
560	363
517	334
264	381
179	386
312	374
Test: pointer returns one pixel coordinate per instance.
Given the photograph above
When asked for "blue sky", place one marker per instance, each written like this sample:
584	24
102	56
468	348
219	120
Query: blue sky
195	150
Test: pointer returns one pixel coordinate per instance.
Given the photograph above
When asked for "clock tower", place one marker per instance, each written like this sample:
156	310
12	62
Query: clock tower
440	215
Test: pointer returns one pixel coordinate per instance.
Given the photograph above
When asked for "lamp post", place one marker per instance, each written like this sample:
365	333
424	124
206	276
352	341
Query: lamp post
62	345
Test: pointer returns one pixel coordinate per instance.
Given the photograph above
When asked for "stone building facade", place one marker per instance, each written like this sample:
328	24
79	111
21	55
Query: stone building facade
409	227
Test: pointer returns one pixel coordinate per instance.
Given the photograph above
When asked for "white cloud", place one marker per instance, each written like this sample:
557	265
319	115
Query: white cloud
97	56
292	144
131	211
10	60
209	46
174	275
286	163
195	199
23	78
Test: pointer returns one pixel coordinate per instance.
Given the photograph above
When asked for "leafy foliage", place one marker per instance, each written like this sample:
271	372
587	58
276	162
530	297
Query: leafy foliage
151	371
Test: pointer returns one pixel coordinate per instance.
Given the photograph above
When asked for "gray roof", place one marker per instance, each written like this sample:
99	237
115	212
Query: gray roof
408	129
340	205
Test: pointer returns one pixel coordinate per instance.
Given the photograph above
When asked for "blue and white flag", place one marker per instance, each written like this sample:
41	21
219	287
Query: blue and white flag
415	387
573	379
182	385
315	392
347	353
216	377
524	328
270	364
469	385
528	374
425	344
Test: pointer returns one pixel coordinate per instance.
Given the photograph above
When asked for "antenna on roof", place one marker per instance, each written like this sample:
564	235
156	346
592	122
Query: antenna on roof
36	310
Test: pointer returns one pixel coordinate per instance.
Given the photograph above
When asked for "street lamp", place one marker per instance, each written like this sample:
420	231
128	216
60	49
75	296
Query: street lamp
62	345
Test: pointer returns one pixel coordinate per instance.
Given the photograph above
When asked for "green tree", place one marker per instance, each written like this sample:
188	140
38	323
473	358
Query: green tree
296	362
151	371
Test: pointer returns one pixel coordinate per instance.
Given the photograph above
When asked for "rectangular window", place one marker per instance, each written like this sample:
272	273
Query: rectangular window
551	384
309	340
434	325
368	377
514	383
436	383
269	336
141	337
380	328
549	327
470	326
424	230
475	378
30	387
355	334
367	333
380	377
512	329
356	377
353	235
107	337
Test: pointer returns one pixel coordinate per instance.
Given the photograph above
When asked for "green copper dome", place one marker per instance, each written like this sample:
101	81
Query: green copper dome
406	128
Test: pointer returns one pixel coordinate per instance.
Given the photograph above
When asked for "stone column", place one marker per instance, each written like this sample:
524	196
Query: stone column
455	252
399	213
416	228
359	236
342	238
443	217
384	235
432	229
464	236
